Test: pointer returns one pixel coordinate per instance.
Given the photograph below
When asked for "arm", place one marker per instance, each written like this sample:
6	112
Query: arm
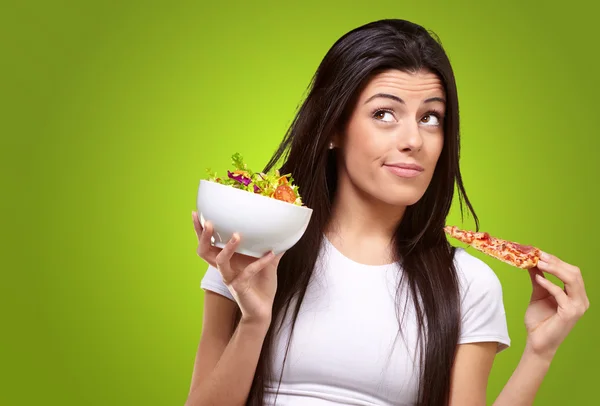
226	360
470	373
524	383
552	313
483	331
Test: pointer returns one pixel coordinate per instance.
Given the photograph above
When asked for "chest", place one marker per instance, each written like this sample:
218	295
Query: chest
347	341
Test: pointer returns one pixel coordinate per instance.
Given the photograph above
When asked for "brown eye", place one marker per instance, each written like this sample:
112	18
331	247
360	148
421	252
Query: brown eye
383	115
430	120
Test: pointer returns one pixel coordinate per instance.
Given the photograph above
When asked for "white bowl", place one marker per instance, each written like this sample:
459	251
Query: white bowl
263	223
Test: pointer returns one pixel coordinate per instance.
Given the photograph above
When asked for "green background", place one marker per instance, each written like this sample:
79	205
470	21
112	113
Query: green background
111	111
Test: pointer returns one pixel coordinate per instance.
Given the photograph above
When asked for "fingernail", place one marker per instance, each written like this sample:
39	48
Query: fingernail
542	264
235	237
544	256
538	277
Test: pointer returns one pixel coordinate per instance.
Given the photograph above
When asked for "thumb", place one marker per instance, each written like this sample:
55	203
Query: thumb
273	265
538	292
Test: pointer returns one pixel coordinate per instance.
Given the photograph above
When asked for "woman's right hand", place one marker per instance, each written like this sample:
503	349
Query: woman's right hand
251	281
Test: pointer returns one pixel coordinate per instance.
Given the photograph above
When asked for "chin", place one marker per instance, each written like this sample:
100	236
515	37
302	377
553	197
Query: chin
399	192
403	202
401	197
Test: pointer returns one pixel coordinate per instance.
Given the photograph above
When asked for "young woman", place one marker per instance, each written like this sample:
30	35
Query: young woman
372	306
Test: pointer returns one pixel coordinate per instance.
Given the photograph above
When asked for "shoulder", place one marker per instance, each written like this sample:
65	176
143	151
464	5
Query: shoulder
474	273
483	317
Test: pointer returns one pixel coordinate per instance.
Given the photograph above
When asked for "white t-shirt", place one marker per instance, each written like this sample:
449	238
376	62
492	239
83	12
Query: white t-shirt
346	349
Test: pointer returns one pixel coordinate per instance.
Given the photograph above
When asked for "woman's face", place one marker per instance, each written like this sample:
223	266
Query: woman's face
394	137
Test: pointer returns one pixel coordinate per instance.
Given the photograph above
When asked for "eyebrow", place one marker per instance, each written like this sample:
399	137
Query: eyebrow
399	100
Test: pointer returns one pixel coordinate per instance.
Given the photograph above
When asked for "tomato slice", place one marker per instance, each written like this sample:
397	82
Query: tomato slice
285	193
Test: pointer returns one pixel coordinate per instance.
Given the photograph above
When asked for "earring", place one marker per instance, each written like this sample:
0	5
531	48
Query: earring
331	146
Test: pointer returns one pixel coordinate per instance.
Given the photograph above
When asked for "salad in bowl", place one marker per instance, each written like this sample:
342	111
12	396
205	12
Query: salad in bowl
265	209
271	184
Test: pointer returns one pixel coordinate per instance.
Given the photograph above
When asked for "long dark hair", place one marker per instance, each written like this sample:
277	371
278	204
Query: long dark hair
420	243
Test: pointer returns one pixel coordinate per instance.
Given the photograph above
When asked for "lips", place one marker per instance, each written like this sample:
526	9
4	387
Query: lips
405	170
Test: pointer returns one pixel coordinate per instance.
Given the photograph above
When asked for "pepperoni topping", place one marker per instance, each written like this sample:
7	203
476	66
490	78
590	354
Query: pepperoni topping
481	236
525	249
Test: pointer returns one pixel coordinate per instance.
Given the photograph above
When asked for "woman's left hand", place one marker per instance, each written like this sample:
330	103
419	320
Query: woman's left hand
553	311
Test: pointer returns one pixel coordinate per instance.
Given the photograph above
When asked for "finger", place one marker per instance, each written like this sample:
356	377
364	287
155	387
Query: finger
206	235
535	271
197	225
559	295
570	275
205	249
538	291
259	265
223	259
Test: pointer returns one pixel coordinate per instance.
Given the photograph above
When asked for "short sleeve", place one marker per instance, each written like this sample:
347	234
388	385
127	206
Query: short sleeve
482	306
213	281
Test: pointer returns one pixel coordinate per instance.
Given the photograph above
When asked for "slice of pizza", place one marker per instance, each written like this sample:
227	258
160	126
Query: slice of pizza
521	256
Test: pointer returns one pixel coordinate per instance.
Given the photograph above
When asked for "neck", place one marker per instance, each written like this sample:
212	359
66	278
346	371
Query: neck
357	219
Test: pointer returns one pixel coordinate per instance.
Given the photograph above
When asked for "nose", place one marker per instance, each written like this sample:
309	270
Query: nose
409	138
